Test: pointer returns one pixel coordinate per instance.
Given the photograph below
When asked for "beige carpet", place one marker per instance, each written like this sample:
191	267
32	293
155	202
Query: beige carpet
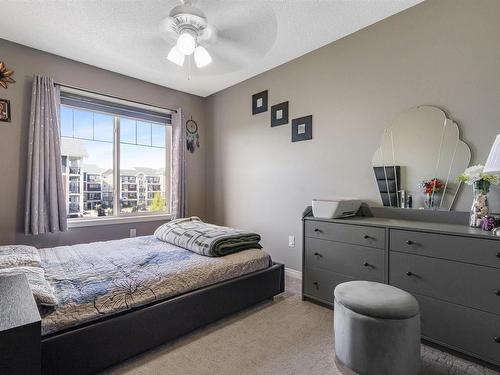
286	336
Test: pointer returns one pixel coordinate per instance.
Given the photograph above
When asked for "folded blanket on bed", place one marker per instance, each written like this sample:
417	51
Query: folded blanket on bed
206	239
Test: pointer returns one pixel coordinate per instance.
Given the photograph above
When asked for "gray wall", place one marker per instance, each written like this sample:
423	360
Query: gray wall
444	53
13	139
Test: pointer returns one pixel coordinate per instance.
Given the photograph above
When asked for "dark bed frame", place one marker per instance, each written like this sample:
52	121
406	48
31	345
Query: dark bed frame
94	346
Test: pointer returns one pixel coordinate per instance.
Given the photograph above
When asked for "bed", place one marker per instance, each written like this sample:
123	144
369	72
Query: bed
101	279
119	298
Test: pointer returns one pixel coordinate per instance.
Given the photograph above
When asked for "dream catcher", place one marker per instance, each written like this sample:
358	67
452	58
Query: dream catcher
192	136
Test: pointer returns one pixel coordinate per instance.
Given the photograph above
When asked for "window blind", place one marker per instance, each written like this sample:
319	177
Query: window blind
114	108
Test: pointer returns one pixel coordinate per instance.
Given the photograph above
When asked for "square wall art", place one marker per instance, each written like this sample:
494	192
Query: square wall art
302	128
279	114
259	102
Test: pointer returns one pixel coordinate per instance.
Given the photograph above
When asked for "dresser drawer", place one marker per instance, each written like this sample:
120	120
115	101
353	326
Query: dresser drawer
353	234
320	283
466	284
463	249
461	328
360	262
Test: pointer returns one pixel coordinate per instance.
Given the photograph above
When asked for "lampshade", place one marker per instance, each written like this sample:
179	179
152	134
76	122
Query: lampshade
201	57
176	56
493	163
186	43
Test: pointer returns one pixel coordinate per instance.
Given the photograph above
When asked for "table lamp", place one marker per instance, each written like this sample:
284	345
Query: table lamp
493	163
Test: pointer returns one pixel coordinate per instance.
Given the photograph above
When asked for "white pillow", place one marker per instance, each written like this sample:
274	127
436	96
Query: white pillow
19	256
41	289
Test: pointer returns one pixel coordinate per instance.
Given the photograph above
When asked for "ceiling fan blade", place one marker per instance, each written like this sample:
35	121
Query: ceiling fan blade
209	34
166	29
239	33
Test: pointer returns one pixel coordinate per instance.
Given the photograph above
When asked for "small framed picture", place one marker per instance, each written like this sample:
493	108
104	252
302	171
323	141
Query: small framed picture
279	114
259	102
302	128
4	110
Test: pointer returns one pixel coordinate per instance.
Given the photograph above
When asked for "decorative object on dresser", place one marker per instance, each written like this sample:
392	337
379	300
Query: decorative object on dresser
279	114
335	207
192	136
388	181
302	128
5	75
259	102
433	191
4	110
480	182
488	222
426	144
452	270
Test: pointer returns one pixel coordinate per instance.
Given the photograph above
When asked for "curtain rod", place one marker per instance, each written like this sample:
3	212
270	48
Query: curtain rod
112	96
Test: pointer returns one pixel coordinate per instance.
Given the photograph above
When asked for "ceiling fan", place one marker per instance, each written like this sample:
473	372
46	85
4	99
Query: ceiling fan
188	25
224	37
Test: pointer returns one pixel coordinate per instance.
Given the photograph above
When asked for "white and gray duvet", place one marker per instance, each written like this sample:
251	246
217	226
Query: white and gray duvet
102	278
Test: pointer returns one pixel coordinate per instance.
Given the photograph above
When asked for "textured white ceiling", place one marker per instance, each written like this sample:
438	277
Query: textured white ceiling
124	36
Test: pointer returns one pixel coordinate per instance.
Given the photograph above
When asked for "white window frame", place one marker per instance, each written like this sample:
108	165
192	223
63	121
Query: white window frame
119	217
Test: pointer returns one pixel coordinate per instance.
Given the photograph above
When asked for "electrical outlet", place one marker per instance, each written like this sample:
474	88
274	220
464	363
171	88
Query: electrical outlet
291	241
133	232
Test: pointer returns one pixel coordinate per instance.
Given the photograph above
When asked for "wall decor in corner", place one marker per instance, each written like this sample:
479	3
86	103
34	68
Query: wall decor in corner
279	114
302	128
4	110
259	102
192	136
5	75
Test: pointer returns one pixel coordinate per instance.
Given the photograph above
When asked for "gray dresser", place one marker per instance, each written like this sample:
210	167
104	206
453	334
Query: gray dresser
453	270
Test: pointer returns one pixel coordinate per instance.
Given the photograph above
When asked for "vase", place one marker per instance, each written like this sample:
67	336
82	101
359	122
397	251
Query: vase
432	201
479	207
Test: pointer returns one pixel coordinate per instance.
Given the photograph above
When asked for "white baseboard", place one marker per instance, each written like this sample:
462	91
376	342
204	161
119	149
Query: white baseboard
293	273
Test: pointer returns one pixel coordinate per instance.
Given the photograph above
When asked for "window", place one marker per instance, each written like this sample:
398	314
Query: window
115	159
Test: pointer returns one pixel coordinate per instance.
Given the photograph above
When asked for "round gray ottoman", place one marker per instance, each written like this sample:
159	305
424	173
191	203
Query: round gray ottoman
377	329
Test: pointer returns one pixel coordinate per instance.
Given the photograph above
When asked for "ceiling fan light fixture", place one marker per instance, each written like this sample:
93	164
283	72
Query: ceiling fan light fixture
176	56
186	43
202	57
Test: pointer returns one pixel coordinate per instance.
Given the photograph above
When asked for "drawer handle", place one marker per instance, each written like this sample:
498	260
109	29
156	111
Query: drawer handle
497	292
409	242
366	237
366	264
317	230
318	255
316	284
498	255
409	273
497	339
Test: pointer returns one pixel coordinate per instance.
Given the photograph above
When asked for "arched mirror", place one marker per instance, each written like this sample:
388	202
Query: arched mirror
419	160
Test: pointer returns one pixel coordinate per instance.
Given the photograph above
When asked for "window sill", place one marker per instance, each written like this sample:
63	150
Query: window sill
78	223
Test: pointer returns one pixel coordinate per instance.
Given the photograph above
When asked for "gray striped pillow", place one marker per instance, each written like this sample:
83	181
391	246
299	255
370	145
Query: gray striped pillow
41	289
19	256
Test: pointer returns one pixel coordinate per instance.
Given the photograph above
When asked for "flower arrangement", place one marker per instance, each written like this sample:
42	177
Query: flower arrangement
481	185
434	185
475	174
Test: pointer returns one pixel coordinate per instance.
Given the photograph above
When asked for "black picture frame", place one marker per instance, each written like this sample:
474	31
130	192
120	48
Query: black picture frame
302	128
5	115
259	102
279	114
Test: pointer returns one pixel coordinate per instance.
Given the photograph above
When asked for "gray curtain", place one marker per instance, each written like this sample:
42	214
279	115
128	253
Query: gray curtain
179	192
45	201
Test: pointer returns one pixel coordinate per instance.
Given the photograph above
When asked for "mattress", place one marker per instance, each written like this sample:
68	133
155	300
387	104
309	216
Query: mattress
99	279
